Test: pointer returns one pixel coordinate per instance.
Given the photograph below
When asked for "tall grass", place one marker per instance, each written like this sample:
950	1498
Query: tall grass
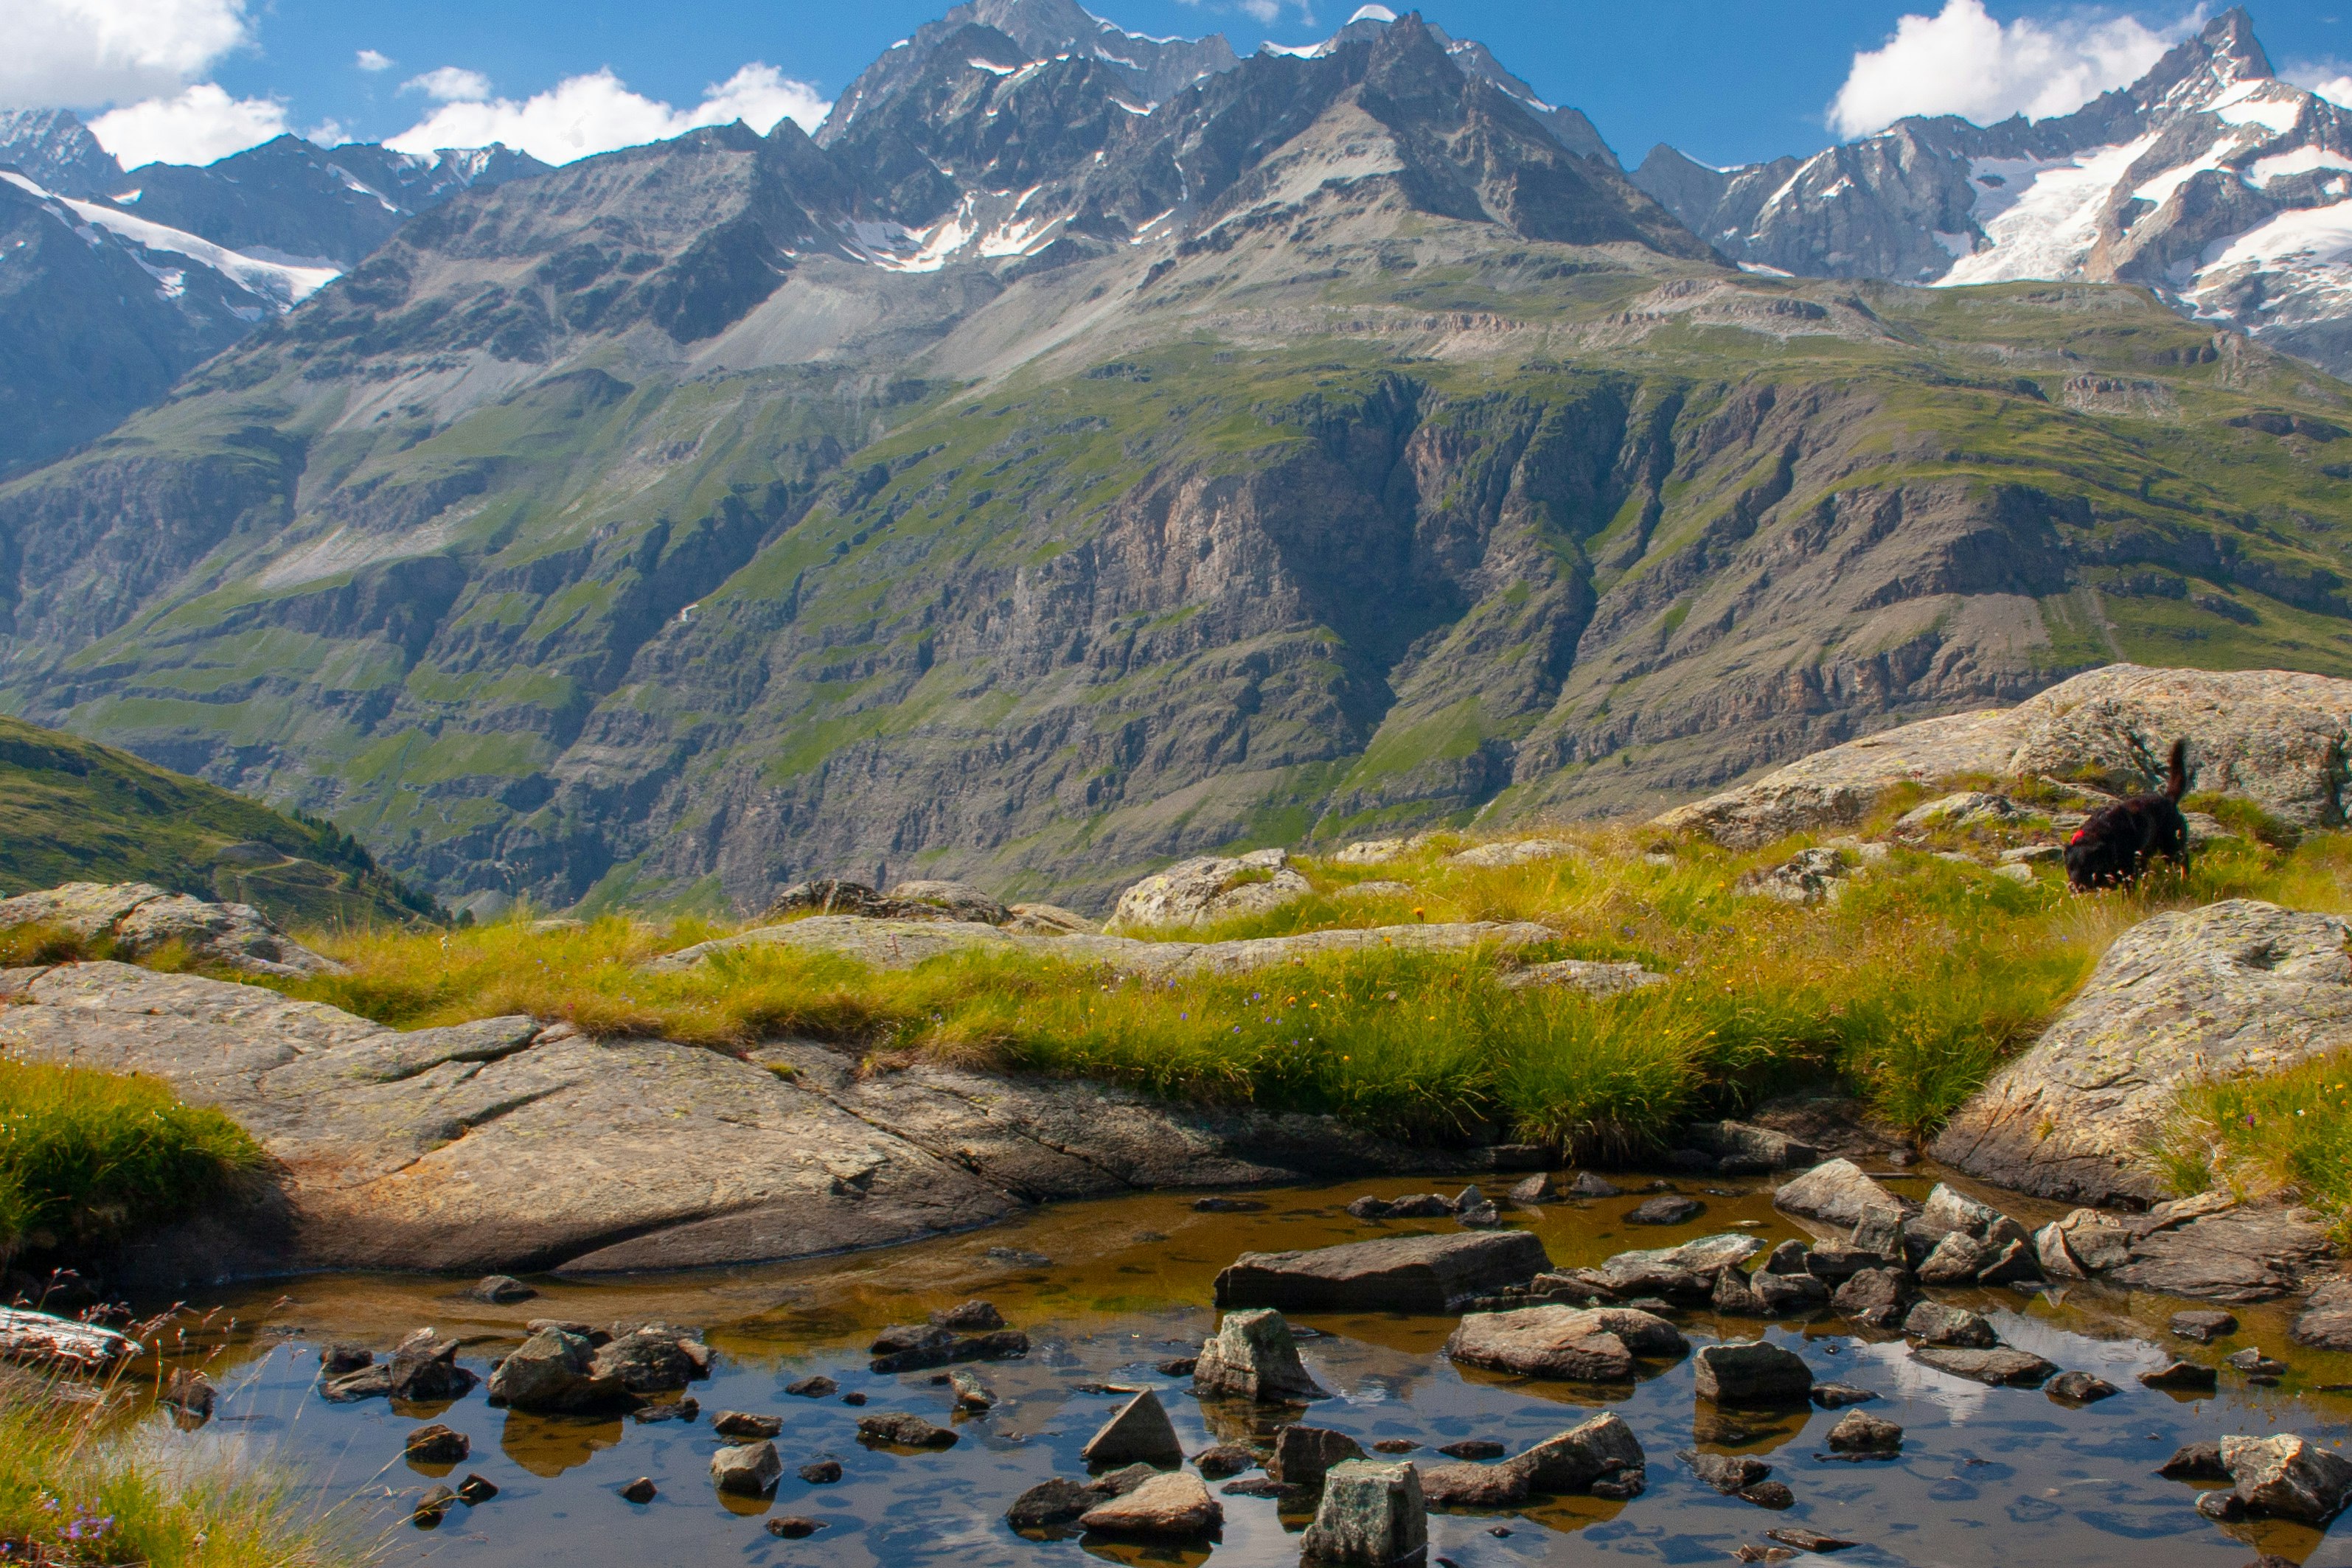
84	1155
82	1481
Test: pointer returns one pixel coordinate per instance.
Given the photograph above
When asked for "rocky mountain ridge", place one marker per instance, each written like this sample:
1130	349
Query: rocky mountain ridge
1337	452
2209	180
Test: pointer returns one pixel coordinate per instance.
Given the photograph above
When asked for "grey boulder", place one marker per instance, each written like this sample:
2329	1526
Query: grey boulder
1835	1192
555	1372
749	1469
2231	989
1210	888
1372	1515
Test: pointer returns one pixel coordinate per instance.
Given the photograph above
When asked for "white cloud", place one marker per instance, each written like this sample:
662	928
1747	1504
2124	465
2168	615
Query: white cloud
1961	61
2332	81
373	60
595	113
69	54
196	126
450	84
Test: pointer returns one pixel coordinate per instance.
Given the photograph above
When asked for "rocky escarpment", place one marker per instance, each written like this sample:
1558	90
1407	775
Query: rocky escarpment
504	1144
2280	738
2233	988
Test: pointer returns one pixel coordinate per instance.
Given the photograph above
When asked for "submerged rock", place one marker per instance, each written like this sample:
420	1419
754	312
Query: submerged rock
1669	1210
2000	1366
1402	1273
1253	1356
1372	1515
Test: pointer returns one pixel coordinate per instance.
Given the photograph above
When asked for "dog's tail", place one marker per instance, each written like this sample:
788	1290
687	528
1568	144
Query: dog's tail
2176	771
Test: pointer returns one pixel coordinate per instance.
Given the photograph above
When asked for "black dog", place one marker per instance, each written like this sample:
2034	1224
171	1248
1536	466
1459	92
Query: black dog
2116	843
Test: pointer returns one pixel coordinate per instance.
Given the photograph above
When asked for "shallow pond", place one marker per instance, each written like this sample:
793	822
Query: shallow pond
1987	1476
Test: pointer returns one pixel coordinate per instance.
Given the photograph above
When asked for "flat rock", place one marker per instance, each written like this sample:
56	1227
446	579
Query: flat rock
1173	1507
2000	1366
40	1338
2325	1321
1571	1344
1402	1273
2235	1254
2273	736
1514	852
2230	989
1670	1209
501	1145
1752	1373
1473	1485
1836	1192
1593	977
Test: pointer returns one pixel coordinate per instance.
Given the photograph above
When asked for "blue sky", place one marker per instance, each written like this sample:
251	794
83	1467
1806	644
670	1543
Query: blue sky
1727	82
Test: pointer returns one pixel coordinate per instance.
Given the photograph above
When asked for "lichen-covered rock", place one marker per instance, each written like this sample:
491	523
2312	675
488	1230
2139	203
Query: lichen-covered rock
1962	808
1209	888
1374	851
1811	876
1592	978
142	917
2236	987
2274	736
1372	1515
1253	1356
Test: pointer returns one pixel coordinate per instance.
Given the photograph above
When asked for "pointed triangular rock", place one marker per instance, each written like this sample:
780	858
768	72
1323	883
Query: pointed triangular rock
1138	1433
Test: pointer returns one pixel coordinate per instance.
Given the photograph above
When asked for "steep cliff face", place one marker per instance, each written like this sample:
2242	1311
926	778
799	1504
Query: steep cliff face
1328	448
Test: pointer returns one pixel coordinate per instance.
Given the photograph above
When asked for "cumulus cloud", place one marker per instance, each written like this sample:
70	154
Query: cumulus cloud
2331	80
596	113
1961	61
195	125
373	60
65	53
450	84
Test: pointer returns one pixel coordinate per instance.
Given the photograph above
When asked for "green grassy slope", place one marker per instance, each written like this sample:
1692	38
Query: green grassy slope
72	810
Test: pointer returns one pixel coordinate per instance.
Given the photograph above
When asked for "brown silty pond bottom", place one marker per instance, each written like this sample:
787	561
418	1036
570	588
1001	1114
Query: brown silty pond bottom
1107	1289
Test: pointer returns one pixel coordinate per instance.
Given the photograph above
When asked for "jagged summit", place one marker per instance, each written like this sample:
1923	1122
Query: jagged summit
2209	180
55	149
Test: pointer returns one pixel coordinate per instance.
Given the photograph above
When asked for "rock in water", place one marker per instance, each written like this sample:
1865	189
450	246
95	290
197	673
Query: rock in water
1048	1503
643	1491
1171	1507
1402	1273
554	1372
1933	1322
1836	1192
1876	1297
1221	1459
2233	988
1957	1259
737	1424
501	1289
425	1368
2288	1476
750	1470
652	1359
1576	1344
1303	1454
2000	1366
1671	1208
2182	1377
971	1317
2204	1325
2080	1388
1535	1191
437	1445
1729	1474
1253	1356
1752	1373
1588	1185
1860	1432
899	1429
1372	1515
2325	1321
1473	1485
1138	1432
1595	1451
1209	888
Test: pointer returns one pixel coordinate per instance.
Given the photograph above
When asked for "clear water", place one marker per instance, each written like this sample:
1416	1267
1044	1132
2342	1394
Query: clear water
2003	1478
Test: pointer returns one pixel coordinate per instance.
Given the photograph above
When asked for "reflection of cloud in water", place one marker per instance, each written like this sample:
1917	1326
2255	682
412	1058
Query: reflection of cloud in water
1961	1399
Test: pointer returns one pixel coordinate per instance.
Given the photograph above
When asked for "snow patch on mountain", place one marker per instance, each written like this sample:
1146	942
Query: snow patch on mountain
280	285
